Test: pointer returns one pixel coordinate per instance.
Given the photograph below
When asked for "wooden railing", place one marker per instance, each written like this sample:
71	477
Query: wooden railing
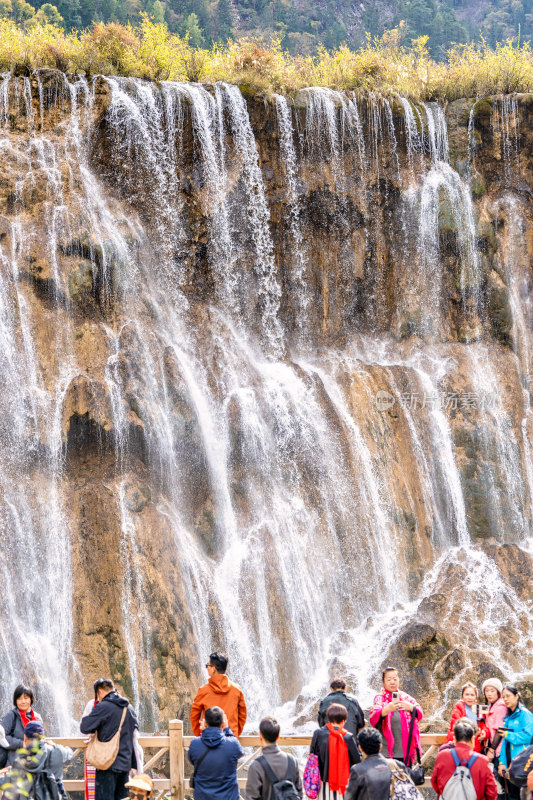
176	786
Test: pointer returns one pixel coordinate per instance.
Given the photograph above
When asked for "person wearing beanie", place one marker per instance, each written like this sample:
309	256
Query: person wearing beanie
492	692
35	760
33	730
494	683
41	755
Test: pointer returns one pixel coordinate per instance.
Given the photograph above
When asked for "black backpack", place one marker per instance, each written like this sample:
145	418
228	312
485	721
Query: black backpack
285	788
47	787
45	784
521	766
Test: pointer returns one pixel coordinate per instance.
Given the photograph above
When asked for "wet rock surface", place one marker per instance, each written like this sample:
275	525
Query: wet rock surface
147	284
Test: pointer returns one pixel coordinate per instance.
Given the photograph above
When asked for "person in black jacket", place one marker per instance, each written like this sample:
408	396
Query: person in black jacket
356	718
320	743
105	719
15	721
371	779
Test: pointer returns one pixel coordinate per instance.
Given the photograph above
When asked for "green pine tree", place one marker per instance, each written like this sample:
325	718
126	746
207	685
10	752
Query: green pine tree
158	12
193	30
224	20
48	14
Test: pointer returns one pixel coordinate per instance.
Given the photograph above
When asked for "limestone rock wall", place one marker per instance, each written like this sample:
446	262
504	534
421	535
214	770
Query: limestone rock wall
203	305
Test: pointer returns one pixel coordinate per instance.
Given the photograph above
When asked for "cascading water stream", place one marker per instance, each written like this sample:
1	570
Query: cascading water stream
271	475
515	265
36	615
288	154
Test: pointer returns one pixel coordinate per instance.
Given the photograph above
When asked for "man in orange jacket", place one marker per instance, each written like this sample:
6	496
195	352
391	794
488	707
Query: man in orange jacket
219	691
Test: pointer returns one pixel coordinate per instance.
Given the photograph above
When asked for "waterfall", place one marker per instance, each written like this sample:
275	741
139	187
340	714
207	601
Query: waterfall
36	619
413	135
288	154
515	260
446	224
245	329
268	286
471	140
509	133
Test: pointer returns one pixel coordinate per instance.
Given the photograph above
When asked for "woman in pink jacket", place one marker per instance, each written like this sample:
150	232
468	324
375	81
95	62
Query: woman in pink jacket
391	714
492	690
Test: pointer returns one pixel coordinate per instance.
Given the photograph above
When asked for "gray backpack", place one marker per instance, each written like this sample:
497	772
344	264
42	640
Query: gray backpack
401	785
460	786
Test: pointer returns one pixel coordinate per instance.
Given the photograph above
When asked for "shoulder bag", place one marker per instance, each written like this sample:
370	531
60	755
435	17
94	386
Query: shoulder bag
102	754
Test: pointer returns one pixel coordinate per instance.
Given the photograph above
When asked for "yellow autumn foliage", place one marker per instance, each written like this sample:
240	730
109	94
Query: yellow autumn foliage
381	65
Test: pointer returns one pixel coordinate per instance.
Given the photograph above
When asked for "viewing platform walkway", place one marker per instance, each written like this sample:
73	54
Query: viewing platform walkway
169	757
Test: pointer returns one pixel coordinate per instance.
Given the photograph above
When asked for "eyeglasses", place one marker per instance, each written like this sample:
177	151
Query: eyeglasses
140	795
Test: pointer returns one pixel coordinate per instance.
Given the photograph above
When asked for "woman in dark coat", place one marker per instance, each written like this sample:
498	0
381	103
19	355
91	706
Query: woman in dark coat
336	749
15	721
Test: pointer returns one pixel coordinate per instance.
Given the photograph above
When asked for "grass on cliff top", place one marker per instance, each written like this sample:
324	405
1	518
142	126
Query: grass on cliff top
382	65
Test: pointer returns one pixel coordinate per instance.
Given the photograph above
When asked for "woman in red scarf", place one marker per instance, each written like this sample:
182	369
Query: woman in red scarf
336	749
15	721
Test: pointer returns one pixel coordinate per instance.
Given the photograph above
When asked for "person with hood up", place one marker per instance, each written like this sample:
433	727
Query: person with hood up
15	721
105	719
214	756
392	713
219	691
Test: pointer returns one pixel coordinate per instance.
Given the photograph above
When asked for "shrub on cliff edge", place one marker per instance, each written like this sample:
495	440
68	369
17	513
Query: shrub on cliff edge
382	65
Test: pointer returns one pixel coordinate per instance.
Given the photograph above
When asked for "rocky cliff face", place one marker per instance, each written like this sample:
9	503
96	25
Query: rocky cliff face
267	388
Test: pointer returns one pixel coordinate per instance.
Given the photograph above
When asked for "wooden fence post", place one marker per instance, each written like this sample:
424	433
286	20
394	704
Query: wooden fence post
177	761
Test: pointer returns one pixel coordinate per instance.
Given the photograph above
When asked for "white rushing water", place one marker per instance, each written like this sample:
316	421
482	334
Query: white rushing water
287	493
35	569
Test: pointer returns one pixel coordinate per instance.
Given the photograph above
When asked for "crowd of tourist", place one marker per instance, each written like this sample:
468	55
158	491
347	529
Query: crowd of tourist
488	750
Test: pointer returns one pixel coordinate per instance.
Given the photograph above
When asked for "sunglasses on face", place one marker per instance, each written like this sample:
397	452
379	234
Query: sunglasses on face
139	795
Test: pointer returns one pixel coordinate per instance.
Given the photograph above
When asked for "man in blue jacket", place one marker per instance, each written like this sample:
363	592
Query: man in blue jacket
105	718
214	756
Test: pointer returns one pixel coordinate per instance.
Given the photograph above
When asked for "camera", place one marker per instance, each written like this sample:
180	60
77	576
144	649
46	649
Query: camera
395	696
480	709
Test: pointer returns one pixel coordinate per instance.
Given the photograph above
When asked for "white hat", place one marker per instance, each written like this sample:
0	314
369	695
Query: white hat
495	683
140	781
